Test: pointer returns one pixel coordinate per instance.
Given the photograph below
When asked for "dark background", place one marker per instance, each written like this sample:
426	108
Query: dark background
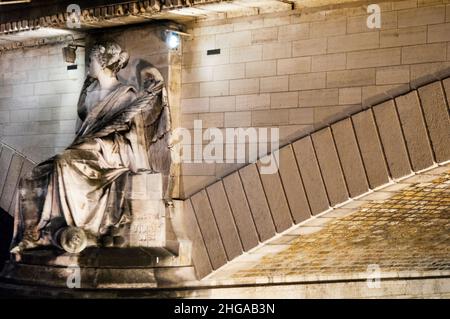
6	232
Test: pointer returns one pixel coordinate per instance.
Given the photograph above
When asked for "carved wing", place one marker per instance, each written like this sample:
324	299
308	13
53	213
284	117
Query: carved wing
158	126
146	103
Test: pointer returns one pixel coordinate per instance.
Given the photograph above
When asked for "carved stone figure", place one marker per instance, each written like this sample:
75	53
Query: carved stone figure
77	198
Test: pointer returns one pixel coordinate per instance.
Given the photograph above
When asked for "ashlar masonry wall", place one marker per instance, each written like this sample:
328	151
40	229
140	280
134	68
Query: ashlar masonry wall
298	70
291	70
38	98
38	95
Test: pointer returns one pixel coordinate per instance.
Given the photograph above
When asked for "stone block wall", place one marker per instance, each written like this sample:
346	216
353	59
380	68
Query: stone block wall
38	98
366	151
298	71
295	70
38	95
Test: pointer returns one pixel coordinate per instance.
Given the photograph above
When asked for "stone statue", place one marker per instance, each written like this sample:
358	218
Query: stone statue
77	197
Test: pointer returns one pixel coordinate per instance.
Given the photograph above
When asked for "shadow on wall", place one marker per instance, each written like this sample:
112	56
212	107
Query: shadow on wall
6	232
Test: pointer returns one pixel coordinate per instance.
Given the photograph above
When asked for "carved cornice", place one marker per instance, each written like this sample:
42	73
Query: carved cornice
97	14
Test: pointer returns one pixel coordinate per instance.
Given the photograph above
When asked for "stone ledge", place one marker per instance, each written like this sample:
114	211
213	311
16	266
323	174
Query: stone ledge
431	286
94	13
97	278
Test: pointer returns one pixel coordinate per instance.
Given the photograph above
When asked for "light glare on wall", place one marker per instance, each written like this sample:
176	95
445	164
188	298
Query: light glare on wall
173	40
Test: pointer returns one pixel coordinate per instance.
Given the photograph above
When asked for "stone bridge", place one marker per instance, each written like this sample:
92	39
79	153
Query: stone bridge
362	181
352	157
334	167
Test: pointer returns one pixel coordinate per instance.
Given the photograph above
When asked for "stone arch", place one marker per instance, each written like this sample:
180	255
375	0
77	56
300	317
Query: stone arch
385	142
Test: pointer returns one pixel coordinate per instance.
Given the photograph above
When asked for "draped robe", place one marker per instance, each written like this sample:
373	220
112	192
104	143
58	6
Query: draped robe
84	186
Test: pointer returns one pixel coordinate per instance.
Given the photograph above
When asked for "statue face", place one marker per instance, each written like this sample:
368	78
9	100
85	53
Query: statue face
95	68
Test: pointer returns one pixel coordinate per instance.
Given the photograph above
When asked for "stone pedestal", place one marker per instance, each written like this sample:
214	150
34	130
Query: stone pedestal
150	223
154	253
111	268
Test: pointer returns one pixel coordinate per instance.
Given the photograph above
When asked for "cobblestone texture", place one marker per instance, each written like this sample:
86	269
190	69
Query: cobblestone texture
410	231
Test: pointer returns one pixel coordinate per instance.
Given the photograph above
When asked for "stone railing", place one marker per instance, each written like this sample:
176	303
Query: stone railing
13	165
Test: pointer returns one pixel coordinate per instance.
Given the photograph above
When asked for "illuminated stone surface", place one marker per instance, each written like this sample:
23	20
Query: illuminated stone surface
409	231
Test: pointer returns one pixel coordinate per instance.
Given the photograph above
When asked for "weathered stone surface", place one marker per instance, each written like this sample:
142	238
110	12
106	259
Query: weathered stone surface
392	75
276	198
307	81
342	288
424	53
406	226
403	36
241	211
257	201
353	42
224	218
306	257
11	181
439	32
349	96
5	160
354	78
350	78
145	186
437	119
323	97
350	157
329	62
99	278
414	130
109	257
309	47
373	58
328	28
392	139
371	150
293	185
208	227
147	228
421	16
330	166
446	84
292	65
310	173
200	256
26	168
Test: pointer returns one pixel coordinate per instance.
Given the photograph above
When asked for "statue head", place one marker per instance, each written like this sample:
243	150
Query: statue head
107	58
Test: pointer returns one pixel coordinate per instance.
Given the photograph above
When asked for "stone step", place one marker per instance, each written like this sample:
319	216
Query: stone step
25	275
108	257
412	287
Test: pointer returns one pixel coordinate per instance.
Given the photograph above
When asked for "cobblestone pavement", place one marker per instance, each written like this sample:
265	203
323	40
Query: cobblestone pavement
409	231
